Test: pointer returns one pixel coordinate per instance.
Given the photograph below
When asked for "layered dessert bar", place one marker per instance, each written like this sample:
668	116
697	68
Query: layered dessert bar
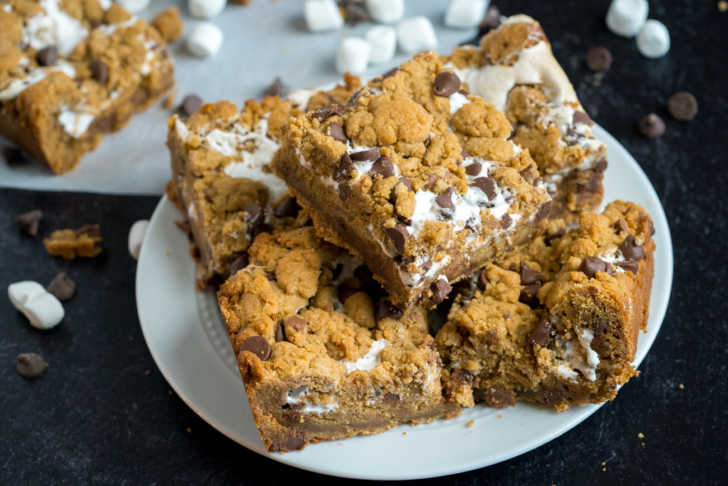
72	71
557	322
322	352
221	176
416	177
515	70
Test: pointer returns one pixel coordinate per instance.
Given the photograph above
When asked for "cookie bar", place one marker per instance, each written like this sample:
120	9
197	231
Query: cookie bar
322	352
221	179
416	177
556	323
72	71
515	70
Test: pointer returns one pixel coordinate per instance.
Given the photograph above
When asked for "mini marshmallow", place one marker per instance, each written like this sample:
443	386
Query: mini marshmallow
353	55
42	309
382	43
416	34
322	15
133	6
626	17
654	39
465	13
136	237
205	39
386	11
205	9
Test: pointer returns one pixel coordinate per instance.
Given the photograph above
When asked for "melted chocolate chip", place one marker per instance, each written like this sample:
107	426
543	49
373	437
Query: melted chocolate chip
473	169
385	309
631	265
257	345
337	132
99	71
682	106
288	208
343	171
528	275
591	265
541	333
440	289
398	236
297	323
47	56
383	166
365	155
62	286
631	250
485	184
444	199
446	83
529	295
30	222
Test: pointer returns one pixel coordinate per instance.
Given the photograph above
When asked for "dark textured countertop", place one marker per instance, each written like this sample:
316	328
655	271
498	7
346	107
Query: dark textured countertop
102	414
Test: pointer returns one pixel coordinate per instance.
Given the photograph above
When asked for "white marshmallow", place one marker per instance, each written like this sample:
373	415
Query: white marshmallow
382	43
205	39
42	309
416	34
136	237
353	55
322	15
386	11
626	17
654	39
133	6
465	13
205	9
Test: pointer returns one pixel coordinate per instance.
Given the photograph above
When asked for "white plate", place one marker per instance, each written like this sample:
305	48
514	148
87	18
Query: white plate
187	339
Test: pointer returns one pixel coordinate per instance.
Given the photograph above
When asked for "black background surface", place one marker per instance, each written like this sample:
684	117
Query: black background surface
103	414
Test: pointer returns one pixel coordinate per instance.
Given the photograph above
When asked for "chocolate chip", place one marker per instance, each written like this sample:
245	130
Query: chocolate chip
47	56
444	199
253	216
257	345
328	111
62	286
30	221
383	166
190	104
297	323
446	83
463	376
13	156
473	169
276	88
440	289
271	276
491	20
405	180
600	165
591	265
337	132
581	117
30	365
390	73
365	155
288	208
353	99
528	275
485	184
385	309
398	236
292	442
631	265
529	295
652	126
240	262
527	175
549	237
541	333
390	398
544	211
483	280
354	11
99	71
343	171
621	226
280	334
599	59
631	250
506	221
682	106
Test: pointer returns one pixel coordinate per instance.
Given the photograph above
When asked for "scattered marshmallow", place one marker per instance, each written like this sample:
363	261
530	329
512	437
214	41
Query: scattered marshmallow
322	15
133	6
416	34
382	43
626	17
465	13
205	9
386	11
136	237
205	39
42	309
654	39
353	55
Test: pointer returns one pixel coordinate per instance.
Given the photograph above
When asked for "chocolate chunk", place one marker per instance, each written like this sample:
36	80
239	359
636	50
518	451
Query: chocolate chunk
544	211
47	56
30	221
276	88
506	221
398	236
621	226
62	286
328	111
257	345
549	237
599	59
343	171
581	117
444	199
491	20
240	262
600	165
529	295
288	208
541	333
631	250
405	180
297	323
190	104
383	166
280	332
13	156
652	126
528	275
30	365
253	216
99	71
385	309
337	132
485	184
365	155
483	280
353	99
527	175
631	265
440	289
474	168
682	106
591	265
446	83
